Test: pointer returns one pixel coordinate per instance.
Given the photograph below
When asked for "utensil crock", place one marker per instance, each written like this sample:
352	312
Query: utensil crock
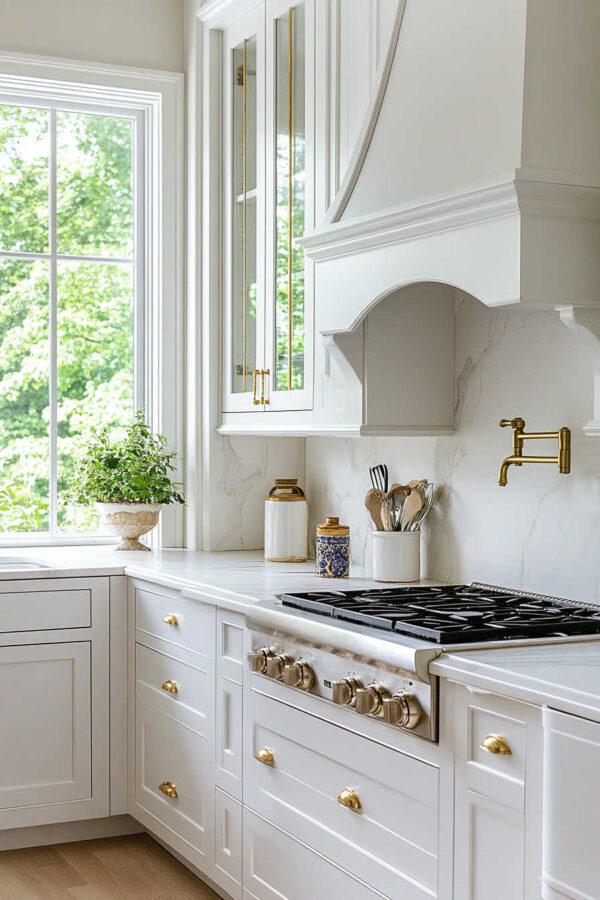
396	555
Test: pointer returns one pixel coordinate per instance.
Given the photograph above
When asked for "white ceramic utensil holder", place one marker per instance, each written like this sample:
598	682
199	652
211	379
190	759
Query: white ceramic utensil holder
396	555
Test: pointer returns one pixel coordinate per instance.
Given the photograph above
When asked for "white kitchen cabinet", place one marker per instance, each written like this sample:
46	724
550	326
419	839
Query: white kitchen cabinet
497	811
54	701
571	864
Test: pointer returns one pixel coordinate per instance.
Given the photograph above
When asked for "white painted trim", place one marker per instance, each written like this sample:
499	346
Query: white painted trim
223	13
392	226
68	832
157	98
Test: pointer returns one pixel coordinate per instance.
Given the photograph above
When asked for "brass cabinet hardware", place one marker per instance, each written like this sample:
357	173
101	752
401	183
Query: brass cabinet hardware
350	799
266	756
264	401
496	744
169	686
168	789
170	619
563	460
255	374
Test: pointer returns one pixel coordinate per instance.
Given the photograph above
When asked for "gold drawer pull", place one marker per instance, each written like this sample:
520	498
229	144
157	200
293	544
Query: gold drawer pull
168	789
171	619
266	756
350	799
169	686
495	743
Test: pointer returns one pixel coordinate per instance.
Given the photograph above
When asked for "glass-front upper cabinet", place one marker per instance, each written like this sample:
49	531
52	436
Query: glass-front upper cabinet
243	123
289	203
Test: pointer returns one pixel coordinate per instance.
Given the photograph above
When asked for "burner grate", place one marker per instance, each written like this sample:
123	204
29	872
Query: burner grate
453	613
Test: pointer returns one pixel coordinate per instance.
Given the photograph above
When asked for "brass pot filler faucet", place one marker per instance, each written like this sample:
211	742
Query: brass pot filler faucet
563	460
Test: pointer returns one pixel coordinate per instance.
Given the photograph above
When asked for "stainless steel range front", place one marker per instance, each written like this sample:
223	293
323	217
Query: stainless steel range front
370	650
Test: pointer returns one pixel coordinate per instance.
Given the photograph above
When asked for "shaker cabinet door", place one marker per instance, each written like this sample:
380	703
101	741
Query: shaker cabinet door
46	738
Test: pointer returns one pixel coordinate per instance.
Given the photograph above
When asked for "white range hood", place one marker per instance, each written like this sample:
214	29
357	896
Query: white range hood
478	166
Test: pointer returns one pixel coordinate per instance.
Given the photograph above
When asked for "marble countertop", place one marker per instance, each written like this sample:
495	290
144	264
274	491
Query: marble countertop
562	676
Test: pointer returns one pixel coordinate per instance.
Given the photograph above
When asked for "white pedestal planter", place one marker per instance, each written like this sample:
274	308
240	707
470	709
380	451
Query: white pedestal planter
130	521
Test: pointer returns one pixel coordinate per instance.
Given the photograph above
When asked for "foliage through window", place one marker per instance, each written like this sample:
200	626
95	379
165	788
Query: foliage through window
67	300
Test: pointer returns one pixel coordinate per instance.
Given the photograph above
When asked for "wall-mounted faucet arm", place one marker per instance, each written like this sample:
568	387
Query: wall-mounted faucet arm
563	460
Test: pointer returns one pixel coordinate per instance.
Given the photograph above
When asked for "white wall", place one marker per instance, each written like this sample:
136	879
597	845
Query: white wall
144	33
542	531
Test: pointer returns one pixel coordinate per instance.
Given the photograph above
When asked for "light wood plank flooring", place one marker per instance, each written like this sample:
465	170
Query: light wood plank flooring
122	868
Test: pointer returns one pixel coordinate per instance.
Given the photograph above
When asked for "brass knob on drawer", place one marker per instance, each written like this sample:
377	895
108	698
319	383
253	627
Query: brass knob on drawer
276	665
258	660
344	692
298	674
169	789
370	699
170	619
266	756
169	686
496	744
350	799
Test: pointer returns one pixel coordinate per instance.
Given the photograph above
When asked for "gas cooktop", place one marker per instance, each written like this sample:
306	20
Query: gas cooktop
453	613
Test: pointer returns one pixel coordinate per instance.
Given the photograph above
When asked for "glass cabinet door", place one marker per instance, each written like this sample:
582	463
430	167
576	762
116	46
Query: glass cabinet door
289	184
243	214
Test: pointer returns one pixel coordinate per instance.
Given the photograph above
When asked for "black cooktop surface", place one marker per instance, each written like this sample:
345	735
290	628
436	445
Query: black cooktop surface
453	613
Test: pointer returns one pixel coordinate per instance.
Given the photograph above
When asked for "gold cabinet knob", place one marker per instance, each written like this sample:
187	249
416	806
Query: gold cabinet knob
171	619
258	659
169	686
276	665
350	799
369	700
402	709
495	743
298	674
266	756
168	789
344	692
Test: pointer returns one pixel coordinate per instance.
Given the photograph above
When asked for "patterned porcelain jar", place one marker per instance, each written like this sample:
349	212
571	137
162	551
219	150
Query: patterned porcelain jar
333	549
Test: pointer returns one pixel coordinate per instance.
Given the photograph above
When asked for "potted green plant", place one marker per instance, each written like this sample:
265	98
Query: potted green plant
128	480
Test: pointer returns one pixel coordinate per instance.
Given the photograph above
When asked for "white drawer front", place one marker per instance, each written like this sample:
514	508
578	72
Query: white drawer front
170	753
180	622
174	688
313	763
277	867
45	610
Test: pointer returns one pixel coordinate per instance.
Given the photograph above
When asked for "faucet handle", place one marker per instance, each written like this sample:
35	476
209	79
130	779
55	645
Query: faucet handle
518	423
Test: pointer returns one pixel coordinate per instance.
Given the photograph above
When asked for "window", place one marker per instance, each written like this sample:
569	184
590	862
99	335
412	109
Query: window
69	286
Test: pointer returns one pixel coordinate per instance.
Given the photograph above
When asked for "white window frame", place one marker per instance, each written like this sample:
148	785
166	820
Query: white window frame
155	101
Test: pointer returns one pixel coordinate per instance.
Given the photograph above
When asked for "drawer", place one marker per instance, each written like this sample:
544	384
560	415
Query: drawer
277	867
174	688
314	763
228	844
45	610
175	620
171	754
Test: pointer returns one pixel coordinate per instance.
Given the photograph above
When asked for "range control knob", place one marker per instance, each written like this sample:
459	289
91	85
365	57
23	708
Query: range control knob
402	709
369	700
298	674
276	665
344	692
258	659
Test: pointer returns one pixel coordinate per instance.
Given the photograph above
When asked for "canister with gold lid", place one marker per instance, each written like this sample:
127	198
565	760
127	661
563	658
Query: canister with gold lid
333	548
286	522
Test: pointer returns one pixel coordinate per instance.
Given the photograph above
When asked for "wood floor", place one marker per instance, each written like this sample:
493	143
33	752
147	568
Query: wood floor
133	867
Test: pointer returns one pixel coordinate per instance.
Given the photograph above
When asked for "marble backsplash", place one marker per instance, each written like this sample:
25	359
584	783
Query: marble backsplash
542	531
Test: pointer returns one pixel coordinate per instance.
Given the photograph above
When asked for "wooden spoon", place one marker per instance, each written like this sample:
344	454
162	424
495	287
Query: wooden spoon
391	507
412	506
373	504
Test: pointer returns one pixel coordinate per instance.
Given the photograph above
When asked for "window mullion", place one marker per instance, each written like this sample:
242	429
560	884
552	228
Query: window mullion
53	329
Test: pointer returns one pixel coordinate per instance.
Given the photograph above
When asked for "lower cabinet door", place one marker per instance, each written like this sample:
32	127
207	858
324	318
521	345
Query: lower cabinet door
277	867
46	735
173	777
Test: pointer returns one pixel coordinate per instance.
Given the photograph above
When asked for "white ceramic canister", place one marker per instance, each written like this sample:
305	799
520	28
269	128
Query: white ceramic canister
286	522
396	555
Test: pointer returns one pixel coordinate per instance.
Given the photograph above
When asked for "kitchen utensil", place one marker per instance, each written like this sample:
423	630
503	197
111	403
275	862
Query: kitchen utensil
415	524
373	504
379	477
411	508
391	507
